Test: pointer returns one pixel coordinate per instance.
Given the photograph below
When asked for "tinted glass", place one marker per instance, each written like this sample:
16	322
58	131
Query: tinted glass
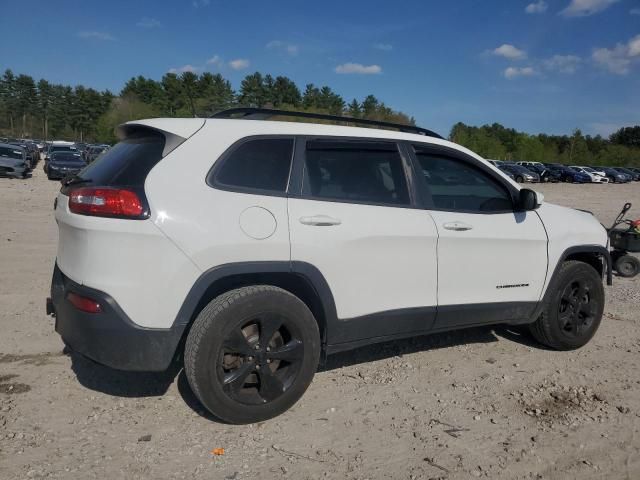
128	162
457	185
11	153
62	148
261	164
66	157
357	171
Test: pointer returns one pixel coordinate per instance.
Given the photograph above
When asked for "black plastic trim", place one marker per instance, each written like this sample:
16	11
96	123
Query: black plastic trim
593	249
263	113
110	337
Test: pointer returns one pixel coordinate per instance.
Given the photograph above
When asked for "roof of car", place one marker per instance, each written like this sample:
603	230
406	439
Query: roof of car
11	145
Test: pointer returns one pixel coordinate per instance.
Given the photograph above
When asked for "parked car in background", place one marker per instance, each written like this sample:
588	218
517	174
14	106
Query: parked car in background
569	175
529	164
13	161
93	151
634	169
32	152
545	173
520	173
595	177
613	175
632	175
58	147
504	170
62	164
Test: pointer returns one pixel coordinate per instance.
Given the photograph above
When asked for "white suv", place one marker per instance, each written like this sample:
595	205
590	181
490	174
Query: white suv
249	250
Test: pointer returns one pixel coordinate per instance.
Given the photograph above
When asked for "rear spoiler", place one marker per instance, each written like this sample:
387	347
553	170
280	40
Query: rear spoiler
175	130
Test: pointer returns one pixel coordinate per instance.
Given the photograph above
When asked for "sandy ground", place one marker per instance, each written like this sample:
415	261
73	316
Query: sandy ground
479	403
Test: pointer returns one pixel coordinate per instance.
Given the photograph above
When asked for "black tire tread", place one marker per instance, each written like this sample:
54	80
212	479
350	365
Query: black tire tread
208	315
541	328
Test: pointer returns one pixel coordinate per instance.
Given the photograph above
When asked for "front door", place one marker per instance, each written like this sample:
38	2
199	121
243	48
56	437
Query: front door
492	260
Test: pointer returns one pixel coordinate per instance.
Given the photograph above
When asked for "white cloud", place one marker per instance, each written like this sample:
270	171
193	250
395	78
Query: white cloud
288	48
358	68
619	58
514	72
239	63
584	8
385	47
537	7
201	3
634	46
184	68
614	60
148	22
510	52
96	35
563	63
216	61
635	11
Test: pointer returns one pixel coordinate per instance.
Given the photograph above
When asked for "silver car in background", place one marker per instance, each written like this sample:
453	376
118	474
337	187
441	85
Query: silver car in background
13	161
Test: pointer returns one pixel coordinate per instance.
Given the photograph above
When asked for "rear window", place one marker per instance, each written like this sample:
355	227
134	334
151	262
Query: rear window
260	164
63	148
128	162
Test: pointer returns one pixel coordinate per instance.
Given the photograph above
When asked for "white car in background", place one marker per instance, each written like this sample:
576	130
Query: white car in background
596	177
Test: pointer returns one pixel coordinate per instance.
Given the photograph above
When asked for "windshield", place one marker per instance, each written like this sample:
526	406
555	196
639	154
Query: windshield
9	152
588	169
62	148
66	157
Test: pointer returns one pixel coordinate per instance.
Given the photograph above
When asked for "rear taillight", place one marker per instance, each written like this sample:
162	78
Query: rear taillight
106	202
83	303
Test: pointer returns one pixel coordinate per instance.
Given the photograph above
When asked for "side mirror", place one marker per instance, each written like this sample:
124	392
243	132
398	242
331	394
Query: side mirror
529	200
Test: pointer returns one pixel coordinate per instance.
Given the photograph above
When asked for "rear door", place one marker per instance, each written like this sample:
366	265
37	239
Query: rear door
492	259
356	221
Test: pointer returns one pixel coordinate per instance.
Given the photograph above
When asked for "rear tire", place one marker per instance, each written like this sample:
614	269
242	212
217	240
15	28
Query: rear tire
573	309
627	266
251	353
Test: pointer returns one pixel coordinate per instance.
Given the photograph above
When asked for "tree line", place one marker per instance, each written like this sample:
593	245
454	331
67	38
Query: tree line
40	109
500	143
44	110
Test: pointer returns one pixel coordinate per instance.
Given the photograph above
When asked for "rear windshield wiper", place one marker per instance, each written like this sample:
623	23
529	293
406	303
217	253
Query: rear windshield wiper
76	180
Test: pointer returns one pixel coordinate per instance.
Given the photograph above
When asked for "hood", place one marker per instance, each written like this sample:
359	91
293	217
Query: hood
572	226
11	162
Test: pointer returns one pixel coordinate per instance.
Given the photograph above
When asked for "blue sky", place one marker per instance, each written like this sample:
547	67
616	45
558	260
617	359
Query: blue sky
534	65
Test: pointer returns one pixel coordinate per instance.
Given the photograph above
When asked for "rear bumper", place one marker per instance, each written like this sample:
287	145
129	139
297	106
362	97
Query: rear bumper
110	337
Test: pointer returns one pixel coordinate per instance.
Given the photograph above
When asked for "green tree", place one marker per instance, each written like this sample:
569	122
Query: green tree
252	91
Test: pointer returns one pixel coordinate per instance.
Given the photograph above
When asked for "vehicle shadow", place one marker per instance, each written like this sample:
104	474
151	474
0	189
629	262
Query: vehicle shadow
106	380
433	341
141	384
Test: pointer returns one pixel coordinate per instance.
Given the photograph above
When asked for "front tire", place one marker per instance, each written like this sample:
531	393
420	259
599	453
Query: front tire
519	179
573	311
251	353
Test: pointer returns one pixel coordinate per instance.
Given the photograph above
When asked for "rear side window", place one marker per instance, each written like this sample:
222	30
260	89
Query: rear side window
260	164
356	171
128	162
458	186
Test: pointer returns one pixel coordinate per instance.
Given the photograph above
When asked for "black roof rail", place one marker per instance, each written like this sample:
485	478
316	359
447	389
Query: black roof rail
249	113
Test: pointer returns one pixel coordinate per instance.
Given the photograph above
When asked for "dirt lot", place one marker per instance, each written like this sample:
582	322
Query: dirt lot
480	403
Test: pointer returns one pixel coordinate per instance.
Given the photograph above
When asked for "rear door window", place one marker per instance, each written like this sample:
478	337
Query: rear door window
355	171
261	164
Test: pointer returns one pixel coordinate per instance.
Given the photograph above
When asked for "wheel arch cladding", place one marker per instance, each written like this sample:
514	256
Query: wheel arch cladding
298	278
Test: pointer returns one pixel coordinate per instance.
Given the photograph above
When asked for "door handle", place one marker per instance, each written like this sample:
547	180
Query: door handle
457	226
320	221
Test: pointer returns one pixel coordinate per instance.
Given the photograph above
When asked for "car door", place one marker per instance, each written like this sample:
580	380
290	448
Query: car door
492	259
356	221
